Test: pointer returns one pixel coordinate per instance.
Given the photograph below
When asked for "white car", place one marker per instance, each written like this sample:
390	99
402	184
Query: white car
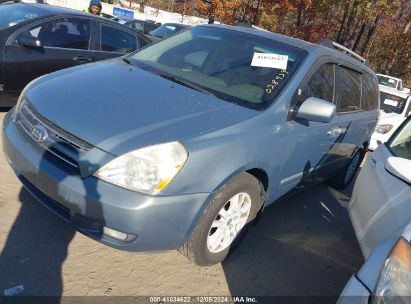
390	82
380	211
395	107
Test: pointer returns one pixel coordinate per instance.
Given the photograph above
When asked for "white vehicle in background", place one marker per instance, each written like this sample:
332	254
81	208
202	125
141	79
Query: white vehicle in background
390	82
380	211
395	105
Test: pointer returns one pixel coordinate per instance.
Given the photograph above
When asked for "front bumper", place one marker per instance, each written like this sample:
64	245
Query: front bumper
159	222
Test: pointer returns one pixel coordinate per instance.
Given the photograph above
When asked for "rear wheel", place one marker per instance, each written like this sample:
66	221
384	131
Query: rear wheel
345	176
225	221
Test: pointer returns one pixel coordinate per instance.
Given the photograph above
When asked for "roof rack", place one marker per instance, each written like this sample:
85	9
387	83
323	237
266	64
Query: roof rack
334	45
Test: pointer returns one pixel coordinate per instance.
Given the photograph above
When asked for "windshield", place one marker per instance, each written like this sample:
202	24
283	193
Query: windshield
387	81
234	66
12	14
392	103
401	143
166	30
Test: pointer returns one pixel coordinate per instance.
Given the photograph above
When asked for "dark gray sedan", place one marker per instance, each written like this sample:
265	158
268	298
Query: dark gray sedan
37	39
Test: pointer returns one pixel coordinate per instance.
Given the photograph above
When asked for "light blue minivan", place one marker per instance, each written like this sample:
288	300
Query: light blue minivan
183	143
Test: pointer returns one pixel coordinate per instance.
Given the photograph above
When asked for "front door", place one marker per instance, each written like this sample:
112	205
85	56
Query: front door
65	43
357	113
312	144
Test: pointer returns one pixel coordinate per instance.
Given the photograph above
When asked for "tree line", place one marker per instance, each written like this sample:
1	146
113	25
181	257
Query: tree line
379	30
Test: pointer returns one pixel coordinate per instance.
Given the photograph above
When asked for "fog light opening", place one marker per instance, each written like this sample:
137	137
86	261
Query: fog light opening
118	235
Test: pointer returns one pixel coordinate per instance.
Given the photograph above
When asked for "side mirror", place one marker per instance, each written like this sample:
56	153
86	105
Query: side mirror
399	167
315	109
29	41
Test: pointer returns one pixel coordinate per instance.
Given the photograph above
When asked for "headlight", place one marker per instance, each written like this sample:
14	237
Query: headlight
20	102
147	170
383	129
395	278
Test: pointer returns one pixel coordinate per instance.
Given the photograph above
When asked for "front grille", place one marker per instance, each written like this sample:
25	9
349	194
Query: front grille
59	143
60	134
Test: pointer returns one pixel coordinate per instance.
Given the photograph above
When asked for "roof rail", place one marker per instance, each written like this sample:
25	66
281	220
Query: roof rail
334	45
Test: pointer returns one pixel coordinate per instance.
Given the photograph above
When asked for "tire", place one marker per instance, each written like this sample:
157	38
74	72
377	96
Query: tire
201	248
342	179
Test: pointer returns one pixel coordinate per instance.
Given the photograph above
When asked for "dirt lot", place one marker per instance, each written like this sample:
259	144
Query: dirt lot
301	246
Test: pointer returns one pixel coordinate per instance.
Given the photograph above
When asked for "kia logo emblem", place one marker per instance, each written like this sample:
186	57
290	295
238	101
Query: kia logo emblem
39	133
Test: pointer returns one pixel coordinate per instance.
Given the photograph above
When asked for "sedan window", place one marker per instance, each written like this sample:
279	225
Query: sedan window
116	40
12	14
73	33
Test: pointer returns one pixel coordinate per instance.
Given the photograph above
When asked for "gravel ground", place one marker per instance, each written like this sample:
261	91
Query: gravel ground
302	246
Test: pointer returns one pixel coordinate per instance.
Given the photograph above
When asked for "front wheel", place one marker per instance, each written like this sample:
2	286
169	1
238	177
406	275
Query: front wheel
345	176
225	220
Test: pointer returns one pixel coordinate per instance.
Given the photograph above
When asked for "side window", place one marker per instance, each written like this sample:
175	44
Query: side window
350	89
321	84
401	144
116	40
138	26
370	93
73	33
141	42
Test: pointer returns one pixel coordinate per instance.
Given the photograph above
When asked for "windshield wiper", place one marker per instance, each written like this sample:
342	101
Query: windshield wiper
185	82
125	59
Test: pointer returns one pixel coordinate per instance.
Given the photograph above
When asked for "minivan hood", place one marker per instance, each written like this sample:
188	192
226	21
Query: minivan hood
118	107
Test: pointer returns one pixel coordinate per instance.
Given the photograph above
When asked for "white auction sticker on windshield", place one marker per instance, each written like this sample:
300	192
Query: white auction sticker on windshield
273	61
391	80
391	102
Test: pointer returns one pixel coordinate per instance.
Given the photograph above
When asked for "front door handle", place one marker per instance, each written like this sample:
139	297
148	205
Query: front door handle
334	132
82	59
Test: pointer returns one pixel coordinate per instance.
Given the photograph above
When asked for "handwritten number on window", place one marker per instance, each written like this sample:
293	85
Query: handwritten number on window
276	81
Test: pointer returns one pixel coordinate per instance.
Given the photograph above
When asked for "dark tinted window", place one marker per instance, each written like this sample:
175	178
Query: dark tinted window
115	40
321	84
12	14
64	32
350	91
370	93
